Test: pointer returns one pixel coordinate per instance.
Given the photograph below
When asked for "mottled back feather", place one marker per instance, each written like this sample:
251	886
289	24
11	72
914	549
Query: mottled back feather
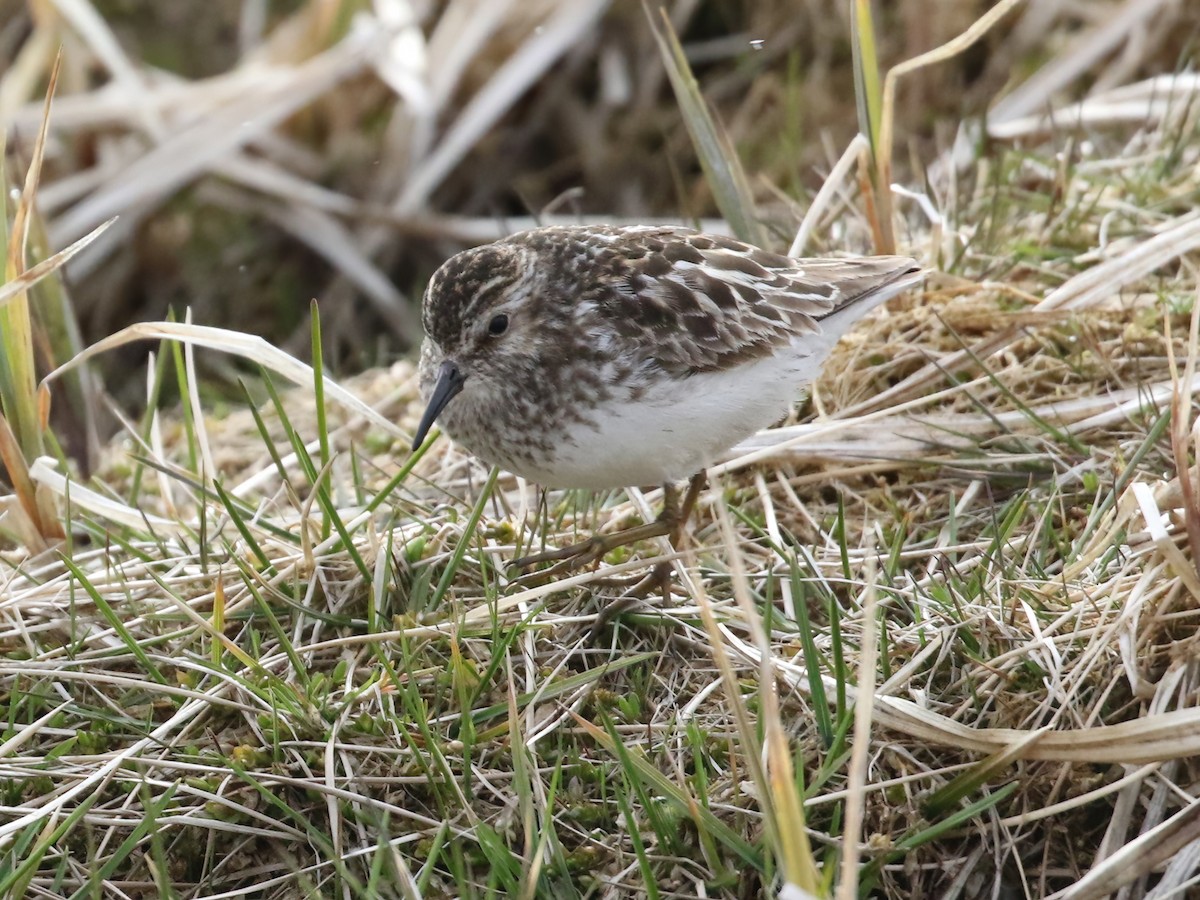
698	302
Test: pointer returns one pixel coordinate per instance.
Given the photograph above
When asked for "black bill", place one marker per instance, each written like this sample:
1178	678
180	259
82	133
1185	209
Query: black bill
449	383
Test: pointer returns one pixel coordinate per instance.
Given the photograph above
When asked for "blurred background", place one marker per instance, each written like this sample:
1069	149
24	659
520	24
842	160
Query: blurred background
262	153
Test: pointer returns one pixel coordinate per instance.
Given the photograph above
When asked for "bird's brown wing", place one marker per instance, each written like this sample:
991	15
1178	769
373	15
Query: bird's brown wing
699	302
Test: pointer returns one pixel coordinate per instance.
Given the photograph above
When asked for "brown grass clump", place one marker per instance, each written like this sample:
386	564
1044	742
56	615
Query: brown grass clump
950	607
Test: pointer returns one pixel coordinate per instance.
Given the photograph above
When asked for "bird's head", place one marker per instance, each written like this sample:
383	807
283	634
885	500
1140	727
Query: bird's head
478	313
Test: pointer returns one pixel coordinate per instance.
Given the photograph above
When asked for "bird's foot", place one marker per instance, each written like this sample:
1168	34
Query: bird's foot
586	553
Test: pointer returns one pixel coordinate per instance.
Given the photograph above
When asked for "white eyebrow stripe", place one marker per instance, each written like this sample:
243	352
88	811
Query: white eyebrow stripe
492	282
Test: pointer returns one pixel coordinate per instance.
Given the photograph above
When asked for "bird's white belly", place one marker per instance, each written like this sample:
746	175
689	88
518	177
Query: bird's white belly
676	428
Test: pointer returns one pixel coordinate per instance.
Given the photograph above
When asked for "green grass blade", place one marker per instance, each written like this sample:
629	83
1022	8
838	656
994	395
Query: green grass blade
148	825
468	535
868	88
318	369
722	168
235	515
114	621
648	773
812	658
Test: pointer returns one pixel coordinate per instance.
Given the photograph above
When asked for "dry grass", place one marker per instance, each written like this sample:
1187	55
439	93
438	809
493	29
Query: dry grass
285	659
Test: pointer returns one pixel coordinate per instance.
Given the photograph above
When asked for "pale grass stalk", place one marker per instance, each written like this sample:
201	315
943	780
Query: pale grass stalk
27	732
919	660
1185	431
887	784
190	151
44	471
101	775
1131	778
35	273
774	776
1138	857
1156	523
167	487
1084	52
565	26
854	153
1168	735
1151	106
941	245
212	629
332	804
247	346
892	433
1178	237
460	35
68	671
950	49
22	77
533	853
208	472
860	751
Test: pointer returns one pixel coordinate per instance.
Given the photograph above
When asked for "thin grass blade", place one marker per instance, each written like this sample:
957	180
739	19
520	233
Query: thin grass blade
722	169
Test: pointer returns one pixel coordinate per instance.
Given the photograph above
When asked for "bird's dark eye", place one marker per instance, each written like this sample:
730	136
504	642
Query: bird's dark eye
498	325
